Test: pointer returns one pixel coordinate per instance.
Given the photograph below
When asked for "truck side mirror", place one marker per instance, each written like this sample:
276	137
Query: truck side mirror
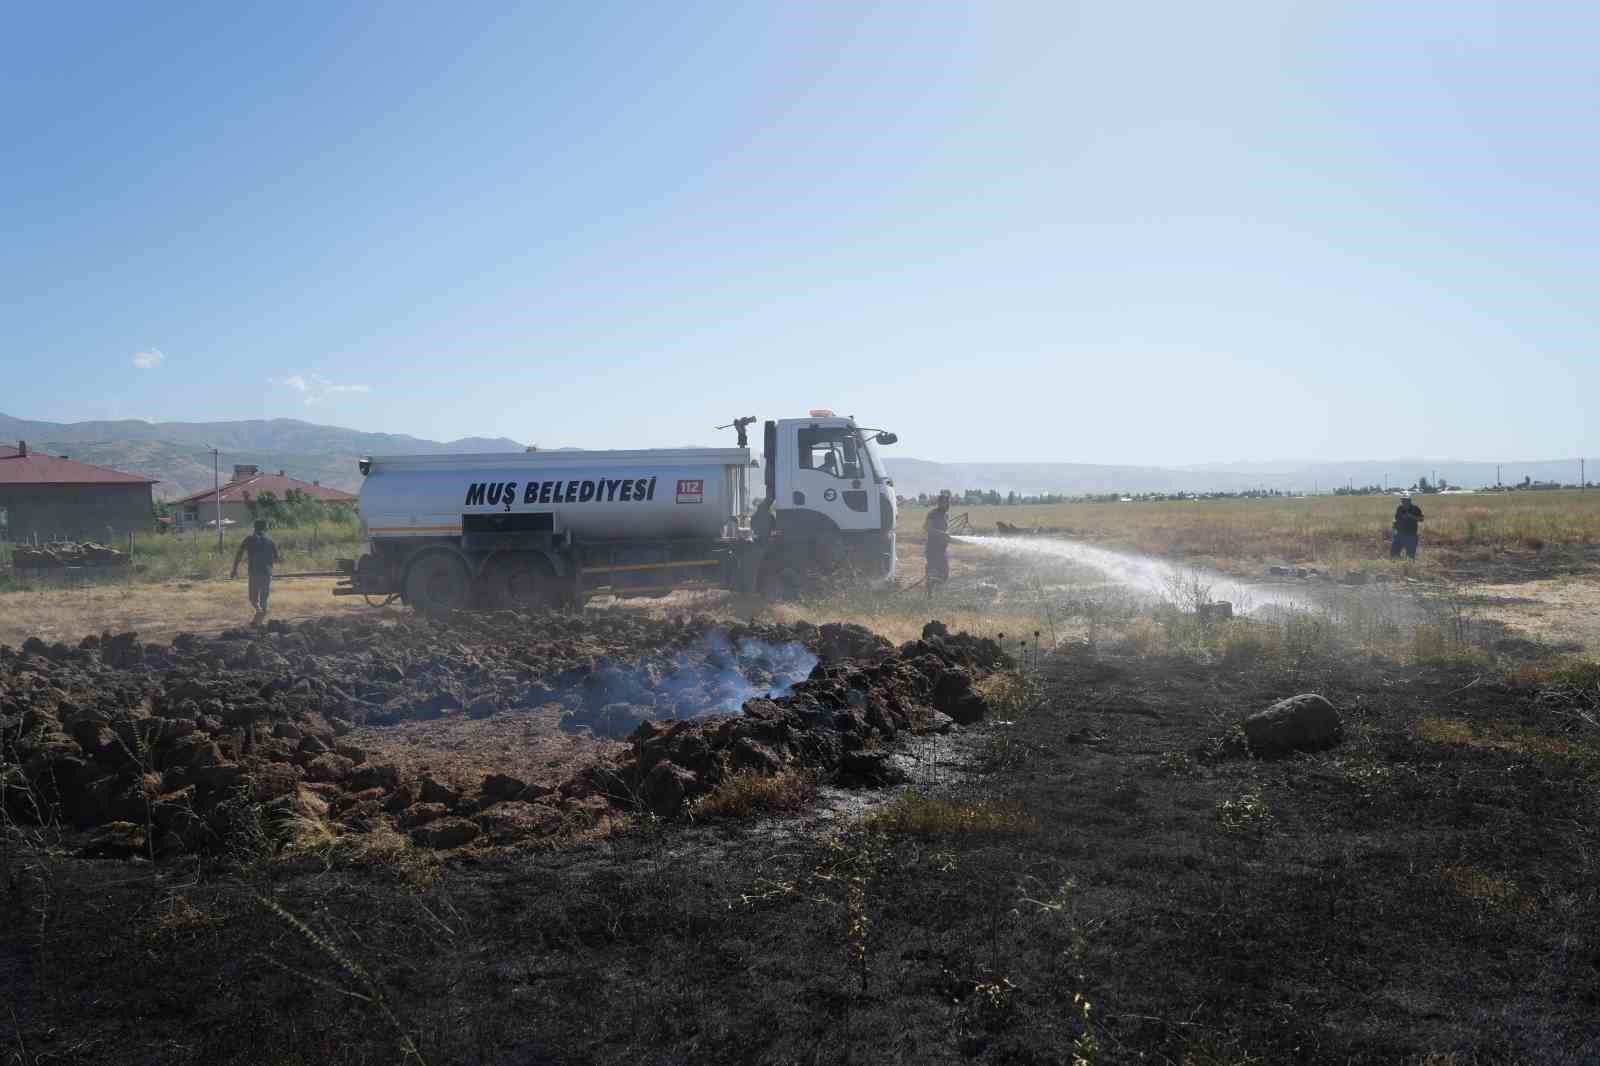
886	438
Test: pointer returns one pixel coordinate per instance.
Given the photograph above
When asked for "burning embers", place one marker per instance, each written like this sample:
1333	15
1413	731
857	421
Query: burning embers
715	676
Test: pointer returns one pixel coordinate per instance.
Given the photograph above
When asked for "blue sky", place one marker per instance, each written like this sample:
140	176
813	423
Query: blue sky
1102	232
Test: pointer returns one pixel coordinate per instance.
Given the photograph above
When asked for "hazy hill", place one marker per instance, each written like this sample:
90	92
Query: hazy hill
913	476
179	453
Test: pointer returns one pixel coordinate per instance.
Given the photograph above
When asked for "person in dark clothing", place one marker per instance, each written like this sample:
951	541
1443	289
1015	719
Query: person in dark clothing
1406	534
937	527
263	553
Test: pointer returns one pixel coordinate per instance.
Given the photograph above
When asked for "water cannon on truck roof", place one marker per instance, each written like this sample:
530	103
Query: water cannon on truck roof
549	528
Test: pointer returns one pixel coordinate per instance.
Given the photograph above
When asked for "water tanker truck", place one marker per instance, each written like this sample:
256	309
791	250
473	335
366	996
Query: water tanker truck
548	528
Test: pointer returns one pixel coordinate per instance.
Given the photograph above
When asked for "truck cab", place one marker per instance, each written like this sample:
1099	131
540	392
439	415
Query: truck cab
830	499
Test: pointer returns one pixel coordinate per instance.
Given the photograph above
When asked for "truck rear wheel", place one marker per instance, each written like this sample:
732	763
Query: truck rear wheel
520	581
437	584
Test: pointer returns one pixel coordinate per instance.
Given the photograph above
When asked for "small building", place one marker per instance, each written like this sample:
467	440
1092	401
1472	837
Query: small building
51	497
247	485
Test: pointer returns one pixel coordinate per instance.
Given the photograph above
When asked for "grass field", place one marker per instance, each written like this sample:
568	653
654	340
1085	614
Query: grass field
1098	874
177	582
1326	531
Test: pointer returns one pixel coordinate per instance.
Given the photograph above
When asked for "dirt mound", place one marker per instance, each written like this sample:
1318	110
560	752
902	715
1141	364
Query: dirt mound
162	748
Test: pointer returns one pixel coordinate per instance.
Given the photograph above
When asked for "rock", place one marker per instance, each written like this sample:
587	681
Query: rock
312	745
300	803
516	820
931	721
503	787
869	769
435	791
329	767
751	754
270	782
482	708
446	833
406	793
1354	577
665	788
351	752
1300	723
588	809
953	695
423	813
115	840
379	776
1220	611
219	778
286	731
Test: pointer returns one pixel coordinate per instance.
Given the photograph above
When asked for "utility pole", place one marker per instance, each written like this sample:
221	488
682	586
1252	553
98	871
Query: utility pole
1583	475
216	491
1497	482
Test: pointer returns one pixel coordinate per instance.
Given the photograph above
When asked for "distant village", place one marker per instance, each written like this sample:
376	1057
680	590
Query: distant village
1423	487
54	498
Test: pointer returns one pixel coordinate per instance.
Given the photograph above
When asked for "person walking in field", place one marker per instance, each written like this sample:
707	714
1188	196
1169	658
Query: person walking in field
937	528
1406	533
263	553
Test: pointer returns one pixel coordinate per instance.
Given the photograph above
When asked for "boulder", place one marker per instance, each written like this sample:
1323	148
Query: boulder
1307	722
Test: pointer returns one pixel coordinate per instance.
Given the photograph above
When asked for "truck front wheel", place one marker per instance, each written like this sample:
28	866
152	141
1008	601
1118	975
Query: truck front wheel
437	584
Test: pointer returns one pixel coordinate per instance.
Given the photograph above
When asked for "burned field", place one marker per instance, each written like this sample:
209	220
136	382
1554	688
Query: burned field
511	839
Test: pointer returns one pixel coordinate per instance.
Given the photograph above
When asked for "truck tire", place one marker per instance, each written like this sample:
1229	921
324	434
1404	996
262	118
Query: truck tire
437	583
520	581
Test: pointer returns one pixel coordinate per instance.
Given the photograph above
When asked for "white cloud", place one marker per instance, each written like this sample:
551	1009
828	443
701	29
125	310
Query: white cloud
316	388
149	359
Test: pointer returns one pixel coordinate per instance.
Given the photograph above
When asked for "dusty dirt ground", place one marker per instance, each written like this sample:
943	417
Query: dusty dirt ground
1099	872
161	611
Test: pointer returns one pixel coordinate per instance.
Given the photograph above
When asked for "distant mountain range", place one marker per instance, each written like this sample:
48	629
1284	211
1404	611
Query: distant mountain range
179	455
913	476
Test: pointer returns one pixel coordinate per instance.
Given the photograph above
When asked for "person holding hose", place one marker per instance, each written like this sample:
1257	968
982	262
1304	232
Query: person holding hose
937	527
1406	533
263	553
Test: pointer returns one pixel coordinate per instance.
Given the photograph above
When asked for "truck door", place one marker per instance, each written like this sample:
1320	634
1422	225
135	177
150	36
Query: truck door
823	469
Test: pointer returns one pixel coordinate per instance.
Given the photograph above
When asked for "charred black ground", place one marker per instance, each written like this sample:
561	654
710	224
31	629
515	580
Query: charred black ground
1107	877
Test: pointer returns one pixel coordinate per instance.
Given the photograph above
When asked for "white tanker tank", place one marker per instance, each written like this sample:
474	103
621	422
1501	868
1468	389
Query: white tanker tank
541	528
603	496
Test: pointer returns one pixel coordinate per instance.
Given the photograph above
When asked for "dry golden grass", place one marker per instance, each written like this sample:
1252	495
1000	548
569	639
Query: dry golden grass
1440	730
744	794
1321	530
1486	889
924	815
158	611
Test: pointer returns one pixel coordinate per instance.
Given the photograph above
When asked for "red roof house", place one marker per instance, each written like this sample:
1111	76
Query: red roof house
52	497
